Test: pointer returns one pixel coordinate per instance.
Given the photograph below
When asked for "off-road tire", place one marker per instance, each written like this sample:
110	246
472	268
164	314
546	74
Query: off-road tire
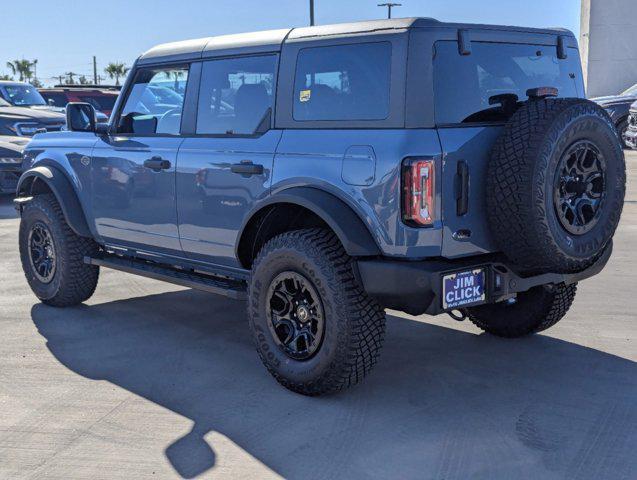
521	177
354	322
534	311
73	281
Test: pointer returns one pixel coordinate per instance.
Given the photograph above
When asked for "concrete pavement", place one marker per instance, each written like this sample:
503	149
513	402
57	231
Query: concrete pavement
151	381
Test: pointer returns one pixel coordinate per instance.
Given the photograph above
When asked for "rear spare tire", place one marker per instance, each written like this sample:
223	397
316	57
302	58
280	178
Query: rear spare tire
556	184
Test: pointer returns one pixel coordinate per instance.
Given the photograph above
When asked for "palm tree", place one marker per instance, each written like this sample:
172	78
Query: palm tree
22	68
70	78
115	70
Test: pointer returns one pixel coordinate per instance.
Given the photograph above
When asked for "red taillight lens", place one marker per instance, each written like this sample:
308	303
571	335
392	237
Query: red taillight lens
418	191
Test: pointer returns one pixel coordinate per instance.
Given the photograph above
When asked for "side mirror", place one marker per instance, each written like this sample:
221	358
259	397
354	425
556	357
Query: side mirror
80	117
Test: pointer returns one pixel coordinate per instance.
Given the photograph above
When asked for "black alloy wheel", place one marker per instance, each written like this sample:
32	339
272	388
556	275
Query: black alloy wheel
42	252
295	315
580	186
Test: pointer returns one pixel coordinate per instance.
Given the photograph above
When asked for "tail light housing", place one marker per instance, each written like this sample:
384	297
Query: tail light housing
418	191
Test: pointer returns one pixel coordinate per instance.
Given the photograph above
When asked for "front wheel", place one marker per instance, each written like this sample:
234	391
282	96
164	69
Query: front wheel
531	312
315	328
53	255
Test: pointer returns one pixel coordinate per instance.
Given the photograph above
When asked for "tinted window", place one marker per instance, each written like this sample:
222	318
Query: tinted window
345	82
56	99
155	102
235	96
466	86
105	103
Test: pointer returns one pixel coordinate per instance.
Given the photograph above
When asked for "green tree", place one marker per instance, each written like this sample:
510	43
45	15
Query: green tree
22	68
70	78
116	70
6	77
83	80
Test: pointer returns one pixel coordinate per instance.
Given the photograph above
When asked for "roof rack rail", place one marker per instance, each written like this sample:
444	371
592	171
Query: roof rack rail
88	85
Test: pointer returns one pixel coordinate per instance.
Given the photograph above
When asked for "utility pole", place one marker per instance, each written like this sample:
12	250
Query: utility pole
389	7
95	79
311	12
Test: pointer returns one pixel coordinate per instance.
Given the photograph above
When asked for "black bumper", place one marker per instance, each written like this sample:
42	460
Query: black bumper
415	287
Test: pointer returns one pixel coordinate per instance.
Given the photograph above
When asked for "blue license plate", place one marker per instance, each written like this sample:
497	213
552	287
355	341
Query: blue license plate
463	289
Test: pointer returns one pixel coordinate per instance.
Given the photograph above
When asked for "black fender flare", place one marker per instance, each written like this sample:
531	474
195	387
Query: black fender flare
355	236
63	190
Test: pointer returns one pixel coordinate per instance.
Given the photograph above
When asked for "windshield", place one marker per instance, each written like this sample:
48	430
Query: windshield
22	95
632	91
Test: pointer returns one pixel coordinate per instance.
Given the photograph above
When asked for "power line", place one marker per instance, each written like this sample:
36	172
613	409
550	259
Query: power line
389	7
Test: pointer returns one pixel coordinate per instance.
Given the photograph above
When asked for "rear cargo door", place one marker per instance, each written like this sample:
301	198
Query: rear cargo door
475	95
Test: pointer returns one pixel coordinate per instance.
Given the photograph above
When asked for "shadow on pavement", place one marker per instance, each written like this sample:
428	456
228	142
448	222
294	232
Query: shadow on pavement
440	404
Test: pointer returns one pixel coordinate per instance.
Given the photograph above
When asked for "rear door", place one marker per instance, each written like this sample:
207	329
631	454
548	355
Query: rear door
133	168
226	165
475	95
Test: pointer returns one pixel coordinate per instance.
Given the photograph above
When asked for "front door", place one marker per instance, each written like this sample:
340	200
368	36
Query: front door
134	167
227	165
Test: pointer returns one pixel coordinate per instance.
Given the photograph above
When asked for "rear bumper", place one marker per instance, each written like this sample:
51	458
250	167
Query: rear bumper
415	287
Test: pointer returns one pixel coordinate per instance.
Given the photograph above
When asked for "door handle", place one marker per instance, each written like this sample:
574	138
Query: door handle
246	167
157	164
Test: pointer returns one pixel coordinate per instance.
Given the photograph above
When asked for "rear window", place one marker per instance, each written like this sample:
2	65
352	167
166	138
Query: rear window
467	87
100	102
55	99
344	82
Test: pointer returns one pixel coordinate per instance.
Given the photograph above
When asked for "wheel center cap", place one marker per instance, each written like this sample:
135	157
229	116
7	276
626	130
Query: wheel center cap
302	313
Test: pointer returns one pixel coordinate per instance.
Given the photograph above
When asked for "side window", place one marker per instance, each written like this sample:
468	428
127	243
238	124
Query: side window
155	102
344	82
55	99
236	95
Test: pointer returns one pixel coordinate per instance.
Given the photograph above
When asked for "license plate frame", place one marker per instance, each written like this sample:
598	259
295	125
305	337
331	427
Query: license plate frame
464	288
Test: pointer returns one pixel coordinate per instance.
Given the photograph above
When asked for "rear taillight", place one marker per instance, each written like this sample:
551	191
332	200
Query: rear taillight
418	191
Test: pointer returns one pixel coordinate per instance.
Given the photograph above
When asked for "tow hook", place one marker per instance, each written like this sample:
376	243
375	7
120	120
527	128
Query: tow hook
458	315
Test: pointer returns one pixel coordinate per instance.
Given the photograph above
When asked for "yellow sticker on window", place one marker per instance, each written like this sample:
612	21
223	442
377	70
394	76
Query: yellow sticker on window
304	95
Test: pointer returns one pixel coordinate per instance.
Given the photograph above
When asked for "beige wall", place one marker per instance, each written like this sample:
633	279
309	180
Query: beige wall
608	45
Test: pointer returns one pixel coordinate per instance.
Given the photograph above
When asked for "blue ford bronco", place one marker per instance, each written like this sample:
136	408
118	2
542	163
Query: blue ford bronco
325	174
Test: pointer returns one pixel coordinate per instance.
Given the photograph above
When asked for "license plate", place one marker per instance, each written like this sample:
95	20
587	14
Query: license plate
463	289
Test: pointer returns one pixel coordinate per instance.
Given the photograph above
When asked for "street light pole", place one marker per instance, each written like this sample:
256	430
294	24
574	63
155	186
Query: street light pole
389	7
312	12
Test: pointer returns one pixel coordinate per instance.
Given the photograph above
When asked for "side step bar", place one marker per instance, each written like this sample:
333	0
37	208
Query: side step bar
219	285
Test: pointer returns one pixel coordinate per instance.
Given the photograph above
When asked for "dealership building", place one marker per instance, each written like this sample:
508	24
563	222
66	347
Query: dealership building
608	45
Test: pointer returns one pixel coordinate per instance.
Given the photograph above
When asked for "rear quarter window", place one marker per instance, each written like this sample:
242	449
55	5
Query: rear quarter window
343	82
465	87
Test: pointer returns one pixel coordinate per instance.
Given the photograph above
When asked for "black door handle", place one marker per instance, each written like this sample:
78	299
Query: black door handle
246	167
157	164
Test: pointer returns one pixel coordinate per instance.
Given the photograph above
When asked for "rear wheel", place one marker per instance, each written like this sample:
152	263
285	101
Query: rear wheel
53	255
531	312
315	328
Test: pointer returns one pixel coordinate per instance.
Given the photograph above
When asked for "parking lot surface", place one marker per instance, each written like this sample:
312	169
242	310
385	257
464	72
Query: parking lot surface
149	380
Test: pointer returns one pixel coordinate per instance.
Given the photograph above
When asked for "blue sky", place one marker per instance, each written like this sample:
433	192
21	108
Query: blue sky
64	35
